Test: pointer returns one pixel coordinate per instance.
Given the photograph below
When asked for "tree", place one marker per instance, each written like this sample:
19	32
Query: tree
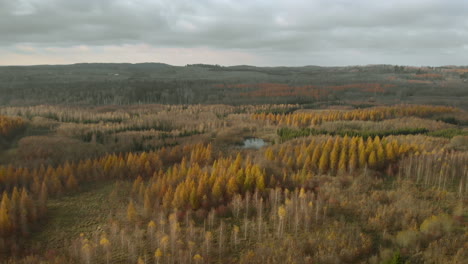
380	156
281	215
197	258
260	182
147	204
5	222
316	157
194	201
232	189
43	199
324	161
104	242
342	164
217	191
71	183
131	212
208	239
372	160
389	150
362	154
353	157
158	255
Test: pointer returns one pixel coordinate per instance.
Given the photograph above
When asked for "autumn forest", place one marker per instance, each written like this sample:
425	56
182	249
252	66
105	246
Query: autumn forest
364	169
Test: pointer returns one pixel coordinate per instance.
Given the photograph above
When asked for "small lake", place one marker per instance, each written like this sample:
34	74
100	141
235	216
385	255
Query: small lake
254	143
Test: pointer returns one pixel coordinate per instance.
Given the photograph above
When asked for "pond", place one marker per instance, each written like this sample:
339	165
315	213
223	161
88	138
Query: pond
254	143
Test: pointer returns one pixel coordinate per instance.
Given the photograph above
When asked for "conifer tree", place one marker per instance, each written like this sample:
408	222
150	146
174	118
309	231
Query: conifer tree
342	164
324	162
5	221
372	160
71	183
353	157
131	212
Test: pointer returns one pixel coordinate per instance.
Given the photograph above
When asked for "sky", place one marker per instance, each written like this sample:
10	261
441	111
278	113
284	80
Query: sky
235	32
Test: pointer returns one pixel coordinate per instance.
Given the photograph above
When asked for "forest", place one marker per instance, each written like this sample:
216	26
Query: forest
156	83
357	164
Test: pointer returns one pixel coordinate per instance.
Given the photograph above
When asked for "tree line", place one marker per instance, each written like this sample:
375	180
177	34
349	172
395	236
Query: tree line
307	119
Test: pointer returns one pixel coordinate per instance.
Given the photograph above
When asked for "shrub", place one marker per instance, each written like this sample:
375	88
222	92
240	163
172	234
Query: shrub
437	225
407	238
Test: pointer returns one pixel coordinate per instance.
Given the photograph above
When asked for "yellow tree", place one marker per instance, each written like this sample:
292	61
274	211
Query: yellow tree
372	160
194	201
324	161
389	151
362	153
5	222
105	243
353	156
342	164
158	255
217	191
71	183
380	155
260	182
334	156
147	204
316	157
232	187
131	212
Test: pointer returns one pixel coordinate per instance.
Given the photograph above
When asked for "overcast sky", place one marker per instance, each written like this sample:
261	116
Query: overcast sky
255	32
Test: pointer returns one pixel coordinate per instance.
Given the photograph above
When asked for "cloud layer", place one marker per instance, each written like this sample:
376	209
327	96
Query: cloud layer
261	32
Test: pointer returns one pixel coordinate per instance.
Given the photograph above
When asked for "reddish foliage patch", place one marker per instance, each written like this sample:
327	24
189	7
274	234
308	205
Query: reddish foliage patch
314	91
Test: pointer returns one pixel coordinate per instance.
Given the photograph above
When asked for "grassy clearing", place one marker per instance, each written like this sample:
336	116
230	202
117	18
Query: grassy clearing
81	212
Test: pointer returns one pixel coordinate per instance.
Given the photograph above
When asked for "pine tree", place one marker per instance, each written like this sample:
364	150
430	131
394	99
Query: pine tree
232	188
194	201
316	157
158	255
362	154
372	160
334	156
131	212
380	156
71	183
105	243
353	157
260	182
342	164
389	151
5	222
324	162
217	191
147	204
43	196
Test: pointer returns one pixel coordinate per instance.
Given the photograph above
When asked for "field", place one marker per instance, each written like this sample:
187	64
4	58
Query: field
339	180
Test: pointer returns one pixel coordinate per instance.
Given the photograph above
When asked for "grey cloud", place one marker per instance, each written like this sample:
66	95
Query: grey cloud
276	28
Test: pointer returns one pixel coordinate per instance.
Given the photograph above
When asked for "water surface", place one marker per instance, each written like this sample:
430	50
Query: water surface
255	143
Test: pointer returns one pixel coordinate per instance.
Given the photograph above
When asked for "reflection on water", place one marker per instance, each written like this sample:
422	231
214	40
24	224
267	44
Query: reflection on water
255	143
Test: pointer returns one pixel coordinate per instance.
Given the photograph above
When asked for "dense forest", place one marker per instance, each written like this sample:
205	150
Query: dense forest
311	86
149	163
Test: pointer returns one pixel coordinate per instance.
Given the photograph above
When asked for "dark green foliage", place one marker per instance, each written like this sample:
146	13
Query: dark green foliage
453	120
396	259
277	111
147	83
449	133
289	133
